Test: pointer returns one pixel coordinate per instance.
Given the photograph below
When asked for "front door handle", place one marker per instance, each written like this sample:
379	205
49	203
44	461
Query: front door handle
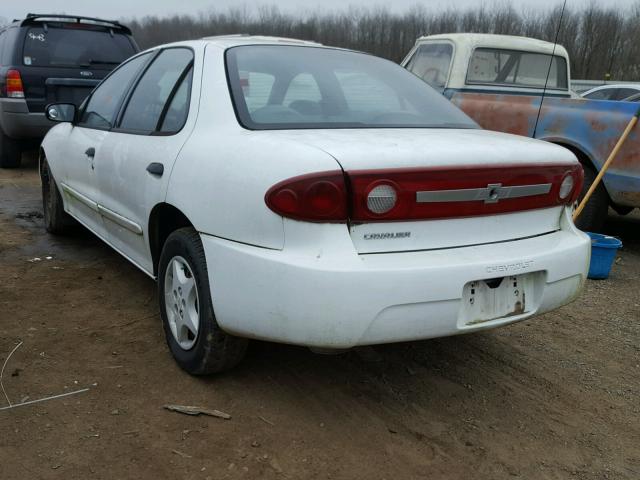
91	152
155	168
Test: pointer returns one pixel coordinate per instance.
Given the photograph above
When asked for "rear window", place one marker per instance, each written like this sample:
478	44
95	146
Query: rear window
490	66
75	47
295	87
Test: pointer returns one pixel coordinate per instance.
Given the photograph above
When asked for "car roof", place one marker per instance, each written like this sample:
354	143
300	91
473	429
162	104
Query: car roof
227	41
507	42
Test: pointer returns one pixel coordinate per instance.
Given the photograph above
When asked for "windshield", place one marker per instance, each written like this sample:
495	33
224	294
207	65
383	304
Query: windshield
74	47
431	63
291	87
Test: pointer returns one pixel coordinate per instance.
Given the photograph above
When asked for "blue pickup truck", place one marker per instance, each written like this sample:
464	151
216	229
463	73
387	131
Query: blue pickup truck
499	81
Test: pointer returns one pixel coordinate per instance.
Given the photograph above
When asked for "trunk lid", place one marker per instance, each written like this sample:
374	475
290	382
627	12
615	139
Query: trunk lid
447	176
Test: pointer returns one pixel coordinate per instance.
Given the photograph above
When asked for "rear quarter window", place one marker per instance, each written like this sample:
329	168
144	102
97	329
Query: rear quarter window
75	47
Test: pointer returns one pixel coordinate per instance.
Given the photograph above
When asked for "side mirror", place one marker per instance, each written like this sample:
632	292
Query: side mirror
61	112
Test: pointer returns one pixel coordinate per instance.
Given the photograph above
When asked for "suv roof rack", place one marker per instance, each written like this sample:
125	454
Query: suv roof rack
33	18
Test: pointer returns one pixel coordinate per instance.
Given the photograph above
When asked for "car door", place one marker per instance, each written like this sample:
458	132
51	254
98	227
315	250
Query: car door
85	142
138	155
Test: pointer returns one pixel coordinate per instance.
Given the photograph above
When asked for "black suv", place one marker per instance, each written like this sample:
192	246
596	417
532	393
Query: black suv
51	58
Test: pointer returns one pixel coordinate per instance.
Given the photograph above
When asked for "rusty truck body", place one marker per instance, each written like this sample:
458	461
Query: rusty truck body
521	86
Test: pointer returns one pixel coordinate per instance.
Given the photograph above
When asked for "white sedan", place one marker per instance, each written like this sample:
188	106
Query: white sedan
285	191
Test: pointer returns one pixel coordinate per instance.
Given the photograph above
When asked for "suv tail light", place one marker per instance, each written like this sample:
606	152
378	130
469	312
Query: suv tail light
318	197
425	193
14	88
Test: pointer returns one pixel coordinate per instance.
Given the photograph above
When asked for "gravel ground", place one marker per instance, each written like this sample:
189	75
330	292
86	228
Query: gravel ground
553	398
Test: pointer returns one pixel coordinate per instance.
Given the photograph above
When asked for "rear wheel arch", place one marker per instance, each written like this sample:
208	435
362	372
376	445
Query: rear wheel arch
164	219
42	156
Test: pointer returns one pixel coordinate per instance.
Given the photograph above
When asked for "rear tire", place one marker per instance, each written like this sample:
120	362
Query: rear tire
622	209
10	152
595	211
56	220
195	339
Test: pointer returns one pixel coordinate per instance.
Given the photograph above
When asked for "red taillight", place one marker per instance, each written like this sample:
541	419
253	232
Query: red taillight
424	193
430	193
578	177
318	197
14	88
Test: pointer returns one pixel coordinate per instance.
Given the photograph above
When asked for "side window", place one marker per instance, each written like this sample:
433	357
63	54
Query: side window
256	88
150	96
431	63
603	94
102	107
176	112
303	94
623	93
366	93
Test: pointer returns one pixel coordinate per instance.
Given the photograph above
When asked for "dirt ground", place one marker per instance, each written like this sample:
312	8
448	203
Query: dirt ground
553	398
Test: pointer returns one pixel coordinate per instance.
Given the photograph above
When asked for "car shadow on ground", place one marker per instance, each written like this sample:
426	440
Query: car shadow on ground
625	227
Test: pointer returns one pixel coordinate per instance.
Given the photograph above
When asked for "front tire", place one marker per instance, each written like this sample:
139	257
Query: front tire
56	220
193	335
595	211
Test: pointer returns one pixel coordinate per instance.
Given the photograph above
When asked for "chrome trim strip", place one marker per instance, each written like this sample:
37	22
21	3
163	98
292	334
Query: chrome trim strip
80	197
492	193
120	220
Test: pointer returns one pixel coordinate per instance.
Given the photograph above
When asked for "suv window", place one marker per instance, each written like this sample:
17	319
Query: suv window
491	66
70	46
431	63
102	107
154	89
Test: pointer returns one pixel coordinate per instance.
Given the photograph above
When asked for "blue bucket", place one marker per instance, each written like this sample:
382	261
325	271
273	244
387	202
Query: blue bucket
603	253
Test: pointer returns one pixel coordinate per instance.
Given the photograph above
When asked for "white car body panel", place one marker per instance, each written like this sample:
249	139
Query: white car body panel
317	284
79	181
319	292
126	210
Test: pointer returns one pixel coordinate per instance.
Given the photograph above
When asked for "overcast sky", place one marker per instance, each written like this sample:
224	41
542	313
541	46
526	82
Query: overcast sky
113	9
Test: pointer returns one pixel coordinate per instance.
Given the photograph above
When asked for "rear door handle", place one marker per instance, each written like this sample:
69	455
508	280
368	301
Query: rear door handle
90	152
155	168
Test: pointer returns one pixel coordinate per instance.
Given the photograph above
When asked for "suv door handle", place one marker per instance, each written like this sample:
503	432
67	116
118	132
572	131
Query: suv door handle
91	152
155	169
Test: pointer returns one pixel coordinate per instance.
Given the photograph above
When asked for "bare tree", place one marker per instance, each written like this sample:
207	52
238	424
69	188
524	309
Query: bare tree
600	40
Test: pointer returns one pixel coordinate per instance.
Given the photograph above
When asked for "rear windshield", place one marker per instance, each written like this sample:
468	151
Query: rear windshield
75	47
491	66
291	87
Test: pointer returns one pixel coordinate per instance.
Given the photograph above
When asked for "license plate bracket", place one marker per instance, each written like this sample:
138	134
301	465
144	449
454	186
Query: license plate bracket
497	298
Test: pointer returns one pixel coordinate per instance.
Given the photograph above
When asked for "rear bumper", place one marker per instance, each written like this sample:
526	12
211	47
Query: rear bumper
340	300
17	122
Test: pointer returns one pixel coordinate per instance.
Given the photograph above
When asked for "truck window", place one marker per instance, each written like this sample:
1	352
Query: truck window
431	63
491	66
